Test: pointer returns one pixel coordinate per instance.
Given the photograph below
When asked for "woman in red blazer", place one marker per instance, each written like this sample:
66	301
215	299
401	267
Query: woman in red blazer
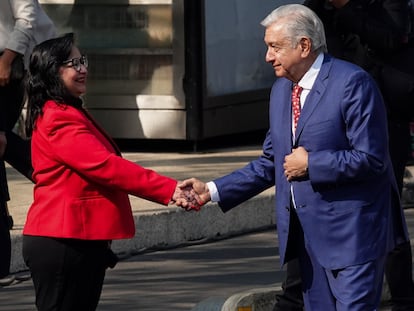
81	184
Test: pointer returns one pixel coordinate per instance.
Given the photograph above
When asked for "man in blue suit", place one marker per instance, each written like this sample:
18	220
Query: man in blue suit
332	171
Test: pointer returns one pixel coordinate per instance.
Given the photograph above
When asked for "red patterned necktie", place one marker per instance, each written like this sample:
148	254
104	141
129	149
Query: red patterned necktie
296	104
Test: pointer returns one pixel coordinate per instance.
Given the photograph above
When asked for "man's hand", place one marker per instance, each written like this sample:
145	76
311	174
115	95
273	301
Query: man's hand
296	164
185	197
6	60
197	194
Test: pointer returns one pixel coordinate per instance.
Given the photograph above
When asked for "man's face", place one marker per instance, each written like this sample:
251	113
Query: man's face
285	58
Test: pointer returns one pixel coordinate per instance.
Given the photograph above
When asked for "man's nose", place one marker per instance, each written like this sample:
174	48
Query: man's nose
270	56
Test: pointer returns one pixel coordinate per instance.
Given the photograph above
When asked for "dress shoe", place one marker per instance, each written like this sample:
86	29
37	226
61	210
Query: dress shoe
23	276
7	280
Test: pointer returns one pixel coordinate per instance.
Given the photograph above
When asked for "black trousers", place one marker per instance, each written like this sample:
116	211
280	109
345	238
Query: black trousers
67	274
291	298
11	97
5	242
17	153
11	103
398	266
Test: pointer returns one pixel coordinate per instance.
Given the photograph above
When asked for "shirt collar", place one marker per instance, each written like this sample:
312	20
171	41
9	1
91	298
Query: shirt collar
309	78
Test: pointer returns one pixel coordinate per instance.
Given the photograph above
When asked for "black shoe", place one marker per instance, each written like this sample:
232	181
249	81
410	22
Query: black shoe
23	276
7	280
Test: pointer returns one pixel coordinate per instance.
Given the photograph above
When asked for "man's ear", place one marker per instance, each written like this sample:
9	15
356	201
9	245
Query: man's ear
305	46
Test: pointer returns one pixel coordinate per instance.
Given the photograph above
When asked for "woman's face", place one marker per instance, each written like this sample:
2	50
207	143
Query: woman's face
73	77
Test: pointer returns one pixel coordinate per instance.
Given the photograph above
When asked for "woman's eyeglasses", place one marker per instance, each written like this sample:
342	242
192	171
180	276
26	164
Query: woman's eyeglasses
77	62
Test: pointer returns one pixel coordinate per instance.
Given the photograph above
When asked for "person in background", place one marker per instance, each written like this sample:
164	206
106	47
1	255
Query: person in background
376	35
81	187
327	154
23	24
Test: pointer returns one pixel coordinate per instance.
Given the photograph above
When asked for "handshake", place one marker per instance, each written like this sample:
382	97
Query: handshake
191	194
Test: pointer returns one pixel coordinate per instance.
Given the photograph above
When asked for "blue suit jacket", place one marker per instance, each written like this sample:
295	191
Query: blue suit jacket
344	206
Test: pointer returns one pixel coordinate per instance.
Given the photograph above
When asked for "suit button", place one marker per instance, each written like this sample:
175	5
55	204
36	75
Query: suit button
287	208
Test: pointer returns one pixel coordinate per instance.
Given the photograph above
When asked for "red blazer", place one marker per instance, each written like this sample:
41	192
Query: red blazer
82	183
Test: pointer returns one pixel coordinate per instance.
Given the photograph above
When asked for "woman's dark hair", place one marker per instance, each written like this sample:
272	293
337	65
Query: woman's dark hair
43	81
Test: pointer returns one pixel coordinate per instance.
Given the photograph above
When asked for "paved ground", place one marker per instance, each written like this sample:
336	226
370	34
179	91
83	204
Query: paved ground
177	279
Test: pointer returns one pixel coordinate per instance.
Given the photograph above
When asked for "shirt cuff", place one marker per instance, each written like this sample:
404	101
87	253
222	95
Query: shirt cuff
214	194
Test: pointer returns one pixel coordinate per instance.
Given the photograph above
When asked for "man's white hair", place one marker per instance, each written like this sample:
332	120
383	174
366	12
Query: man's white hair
299	21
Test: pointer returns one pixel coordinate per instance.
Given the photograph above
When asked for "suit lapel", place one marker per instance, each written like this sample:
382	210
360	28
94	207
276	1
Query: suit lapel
314	96
281	115
287	115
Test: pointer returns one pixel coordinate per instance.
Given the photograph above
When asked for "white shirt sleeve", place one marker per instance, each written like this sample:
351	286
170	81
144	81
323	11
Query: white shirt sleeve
214	194
24	14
